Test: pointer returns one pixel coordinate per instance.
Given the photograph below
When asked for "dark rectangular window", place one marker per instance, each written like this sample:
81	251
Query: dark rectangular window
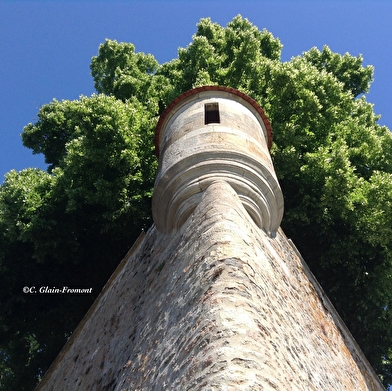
211	113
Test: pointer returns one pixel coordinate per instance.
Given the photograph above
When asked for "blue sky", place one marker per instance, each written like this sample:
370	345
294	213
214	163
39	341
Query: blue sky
46	46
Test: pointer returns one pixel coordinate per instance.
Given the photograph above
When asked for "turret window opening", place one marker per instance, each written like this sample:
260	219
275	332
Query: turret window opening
211	113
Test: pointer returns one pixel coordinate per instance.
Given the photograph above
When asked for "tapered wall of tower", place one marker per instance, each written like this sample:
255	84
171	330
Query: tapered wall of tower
214	297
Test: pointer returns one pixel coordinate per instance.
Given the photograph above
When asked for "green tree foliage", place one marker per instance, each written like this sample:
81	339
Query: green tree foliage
69	227
120	72
73	223
237	55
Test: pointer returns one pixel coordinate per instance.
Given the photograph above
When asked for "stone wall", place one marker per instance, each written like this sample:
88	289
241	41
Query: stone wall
218	305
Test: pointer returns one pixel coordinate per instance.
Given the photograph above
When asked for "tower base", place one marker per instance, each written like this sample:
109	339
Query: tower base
218	305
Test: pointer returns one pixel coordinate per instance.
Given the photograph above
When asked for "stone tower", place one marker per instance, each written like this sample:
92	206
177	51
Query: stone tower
211	134
214	296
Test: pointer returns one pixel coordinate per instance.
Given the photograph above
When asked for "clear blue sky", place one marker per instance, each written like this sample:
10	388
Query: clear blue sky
46	46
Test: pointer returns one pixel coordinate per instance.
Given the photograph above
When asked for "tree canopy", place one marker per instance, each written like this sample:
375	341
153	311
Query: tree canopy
74	223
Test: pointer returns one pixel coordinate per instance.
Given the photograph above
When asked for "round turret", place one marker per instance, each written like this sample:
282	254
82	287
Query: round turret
214	133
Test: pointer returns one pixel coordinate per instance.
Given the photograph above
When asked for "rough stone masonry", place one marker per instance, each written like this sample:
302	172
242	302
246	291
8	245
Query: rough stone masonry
214	297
